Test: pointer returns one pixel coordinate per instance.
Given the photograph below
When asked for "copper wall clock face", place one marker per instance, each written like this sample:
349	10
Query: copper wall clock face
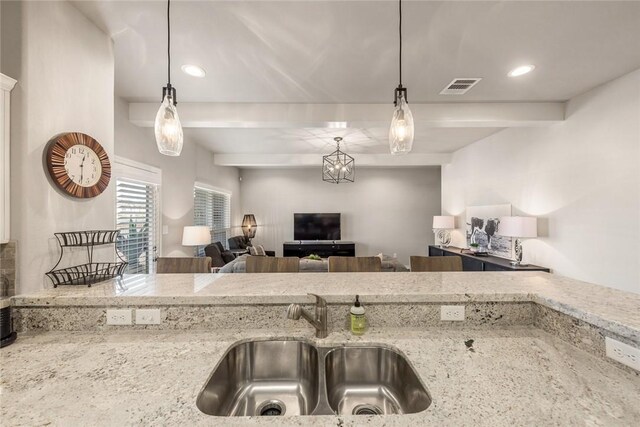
78	165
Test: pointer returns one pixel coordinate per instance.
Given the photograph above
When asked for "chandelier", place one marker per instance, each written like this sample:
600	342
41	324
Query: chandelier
338	166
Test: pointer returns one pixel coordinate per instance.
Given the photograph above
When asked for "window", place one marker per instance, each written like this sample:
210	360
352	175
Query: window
138	214
212	207
137	220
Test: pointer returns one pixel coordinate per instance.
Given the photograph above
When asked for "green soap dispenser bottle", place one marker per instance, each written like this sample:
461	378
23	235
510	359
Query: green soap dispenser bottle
358	321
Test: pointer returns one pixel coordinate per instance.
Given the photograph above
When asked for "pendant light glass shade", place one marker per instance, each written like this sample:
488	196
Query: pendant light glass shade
168	129
401	130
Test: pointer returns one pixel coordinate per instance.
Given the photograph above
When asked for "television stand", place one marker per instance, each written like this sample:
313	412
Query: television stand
322	248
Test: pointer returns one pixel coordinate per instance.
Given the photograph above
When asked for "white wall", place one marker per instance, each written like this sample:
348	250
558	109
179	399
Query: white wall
178	177
385	210
581	178
65	70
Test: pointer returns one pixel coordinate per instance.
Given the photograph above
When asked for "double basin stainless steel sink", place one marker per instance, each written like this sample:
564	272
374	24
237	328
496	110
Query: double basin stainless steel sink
294	377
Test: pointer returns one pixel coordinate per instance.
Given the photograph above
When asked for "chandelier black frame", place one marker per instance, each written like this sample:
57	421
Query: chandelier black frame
338	166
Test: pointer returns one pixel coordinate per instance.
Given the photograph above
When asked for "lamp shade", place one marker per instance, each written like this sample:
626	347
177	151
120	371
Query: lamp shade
518	226
443	222
193	235
249	226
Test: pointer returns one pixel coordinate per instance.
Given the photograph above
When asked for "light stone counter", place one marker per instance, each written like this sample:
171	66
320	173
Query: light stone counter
606	308
513	376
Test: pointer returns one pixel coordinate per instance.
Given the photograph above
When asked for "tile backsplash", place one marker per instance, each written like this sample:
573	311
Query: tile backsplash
7	269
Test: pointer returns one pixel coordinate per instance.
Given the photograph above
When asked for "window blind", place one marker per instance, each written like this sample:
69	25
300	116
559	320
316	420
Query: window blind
212	209
137	219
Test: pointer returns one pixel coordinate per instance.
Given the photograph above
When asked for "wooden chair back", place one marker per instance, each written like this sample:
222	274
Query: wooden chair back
345	264
183	265
269	264
436	263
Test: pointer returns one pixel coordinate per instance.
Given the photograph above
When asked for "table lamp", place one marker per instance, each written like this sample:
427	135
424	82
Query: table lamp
441	227
195	235
519	227
249	226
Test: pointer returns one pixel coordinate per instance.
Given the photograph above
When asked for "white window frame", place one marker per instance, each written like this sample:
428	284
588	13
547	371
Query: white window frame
124	168
6	86
207	187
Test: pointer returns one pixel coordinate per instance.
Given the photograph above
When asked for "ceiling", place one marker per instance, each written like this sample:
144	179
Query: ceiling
313	52
320	140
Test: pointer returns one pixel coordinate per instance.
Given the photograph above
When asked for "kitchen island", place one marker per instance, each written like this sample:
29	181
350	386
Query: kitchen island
530	350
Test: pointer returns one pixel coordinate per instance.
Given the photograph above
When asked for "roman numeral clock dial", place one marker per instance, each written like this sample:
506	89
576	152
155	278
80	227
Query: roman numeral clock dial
78	165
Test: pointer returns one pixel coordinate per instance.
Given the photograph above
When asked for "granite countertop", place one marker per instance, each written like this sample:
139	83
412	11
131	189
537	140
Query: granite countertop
603	307
512	376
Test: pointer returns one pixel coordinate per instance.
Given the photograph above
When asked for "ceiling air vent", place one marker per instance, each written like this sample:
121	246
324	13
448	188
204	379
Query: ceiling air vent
459	86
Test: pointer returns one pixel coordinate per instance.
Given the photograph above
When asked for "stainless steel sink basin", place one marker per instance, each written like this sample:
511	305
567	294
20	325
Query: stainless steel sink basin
293	377
263	378
373	381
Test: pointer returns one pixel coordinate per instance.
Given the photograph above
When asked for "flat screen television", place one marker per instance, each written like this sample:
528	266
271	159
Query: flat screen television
316	226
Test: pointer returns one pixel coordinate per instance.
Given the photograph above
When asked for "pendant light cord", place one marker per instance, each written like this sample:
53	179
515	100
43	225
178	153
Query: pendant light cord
168	42
400	32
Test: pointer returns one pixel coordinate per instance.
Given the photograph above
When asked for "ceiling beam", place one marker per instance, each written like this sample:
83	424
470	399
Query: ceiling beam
286	116
307	160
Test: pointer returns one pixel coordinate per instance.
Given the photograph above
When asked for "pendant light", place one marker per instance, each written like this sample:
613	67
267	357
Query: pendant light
167	128
401	130
338	166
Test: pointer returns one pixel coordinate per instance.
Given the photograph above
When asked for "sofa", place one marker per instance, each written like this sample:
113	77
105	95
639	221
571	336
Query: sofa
218	254
238	265
241	242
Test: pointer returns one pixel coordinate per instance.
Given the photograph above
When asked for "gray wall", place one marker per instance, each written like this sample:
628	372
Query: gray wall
65	70
386	210
580	177
178	177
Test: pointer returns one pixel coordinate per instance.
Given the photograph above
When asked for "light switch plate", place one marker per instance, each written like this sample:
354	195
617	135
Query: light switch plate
148	316
119	317
623	353
452	312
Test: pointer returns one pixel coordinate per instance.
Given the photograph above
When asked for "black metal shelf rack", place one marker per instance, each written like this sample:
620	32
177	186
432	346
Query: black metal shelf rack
90	272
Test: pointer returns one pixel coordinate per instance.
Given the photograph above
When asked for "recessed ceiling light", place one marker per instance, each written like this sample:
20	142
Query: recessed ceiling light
193	70
523	69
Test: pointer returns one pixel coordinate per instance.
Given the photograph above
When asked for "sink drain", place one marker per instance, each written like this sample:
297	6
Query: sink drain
367	410
271	408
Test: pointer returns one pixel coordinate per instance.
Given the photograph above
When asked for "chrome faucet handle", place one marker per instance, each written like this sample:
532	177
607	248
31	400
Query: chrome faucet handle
320	302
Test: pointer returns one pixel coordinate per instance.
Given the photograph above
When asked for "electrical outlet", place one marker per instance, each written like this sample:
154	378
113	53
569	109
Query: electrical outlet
452	312
623	353
119	317
148	316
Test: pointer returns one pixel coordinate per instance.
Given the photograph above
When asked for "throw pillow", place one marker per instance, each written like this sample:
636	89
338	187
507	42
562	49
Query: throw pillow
384	257
388	260
257	250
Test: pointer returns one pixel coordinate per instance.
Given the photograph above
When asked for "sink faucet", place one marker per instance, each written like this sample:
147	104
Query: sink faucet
319	321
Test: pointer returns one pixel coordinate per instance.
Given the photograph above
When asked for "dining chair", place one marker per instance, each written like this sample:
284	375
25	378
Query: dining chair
436	263
268	264
344	264
183	265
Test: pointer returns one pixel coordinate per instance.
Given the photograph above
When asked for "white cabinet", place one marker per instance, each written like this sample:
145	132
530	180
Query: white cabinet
6	85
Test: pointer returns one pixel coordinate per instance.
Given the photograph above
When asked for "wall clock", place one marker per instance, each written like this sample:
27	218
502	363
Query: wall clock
78	165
